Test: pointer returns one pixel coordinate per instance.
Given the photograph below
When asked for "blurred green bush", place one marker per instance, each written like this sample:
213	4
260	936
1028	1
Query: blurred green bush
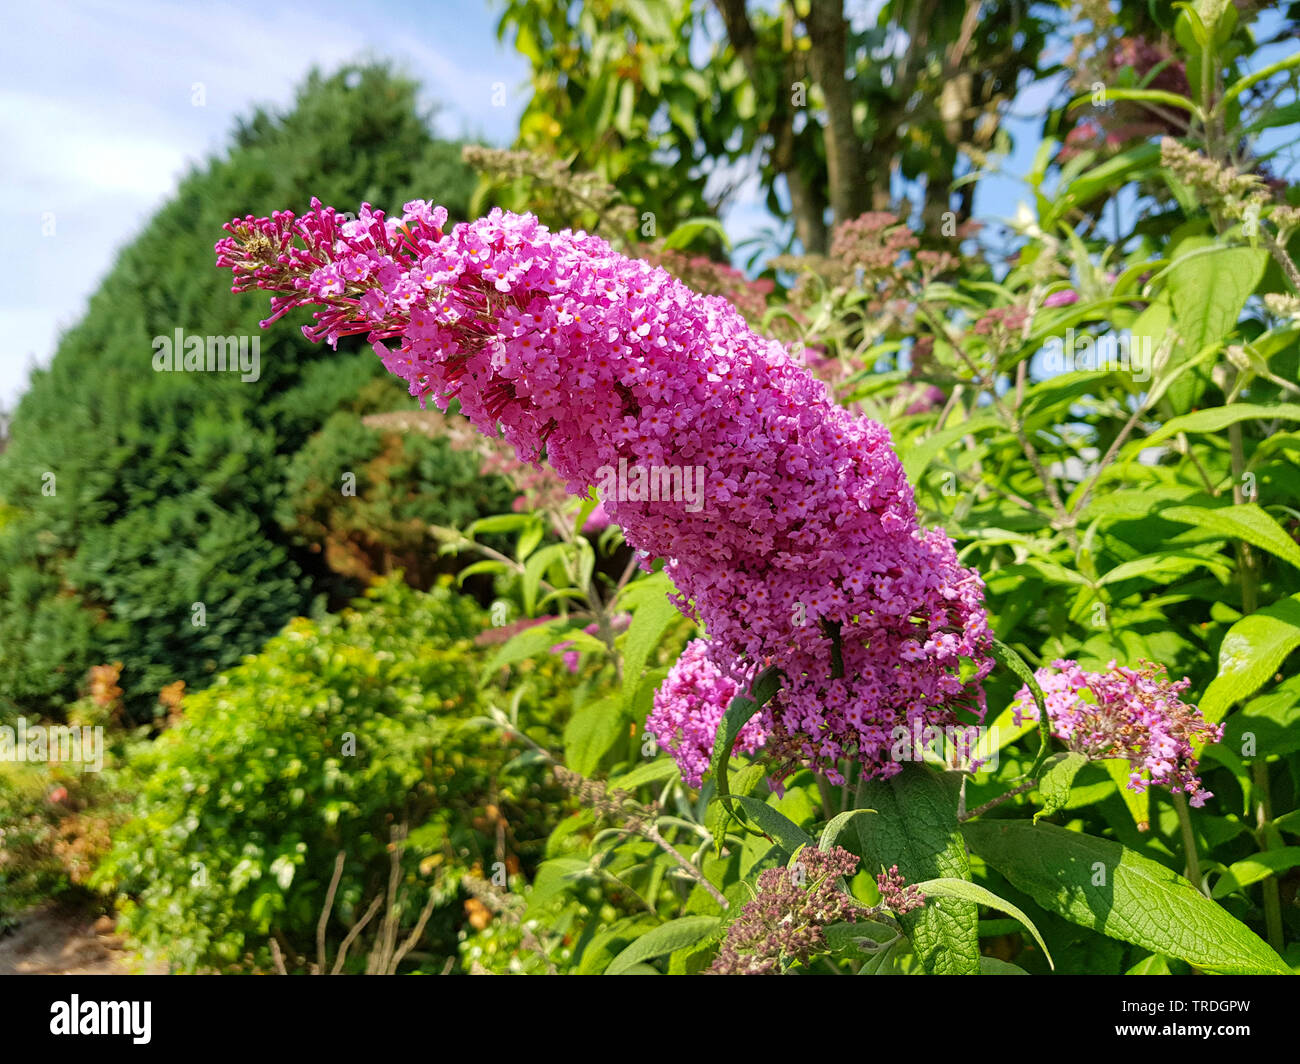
129	495
337	731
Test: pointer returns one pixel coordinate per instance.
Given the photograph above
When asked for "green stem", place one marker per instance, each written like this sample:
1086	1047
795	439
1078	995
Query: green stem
1259	770
828	799
1189	842
1245	555
1264	814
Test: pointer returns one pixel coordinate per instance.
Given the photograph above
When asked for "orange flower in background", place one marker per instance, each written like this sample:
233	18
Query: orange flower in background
104	690
171	697
478	914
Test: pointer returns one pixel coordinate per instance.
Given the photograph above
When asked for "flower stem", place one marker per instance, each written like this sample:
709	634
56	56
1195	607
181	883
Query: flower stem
1263	814
1189	842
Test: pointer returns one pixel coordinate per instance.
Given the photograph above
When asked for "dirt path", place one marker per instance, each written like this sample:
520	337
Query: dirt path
54	940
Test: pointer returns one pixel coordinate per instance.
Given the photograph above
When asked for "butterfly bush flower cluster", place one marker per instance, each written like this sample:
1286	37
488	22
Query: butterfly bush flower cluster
807	554
784	922
688	708
896	894
1130	713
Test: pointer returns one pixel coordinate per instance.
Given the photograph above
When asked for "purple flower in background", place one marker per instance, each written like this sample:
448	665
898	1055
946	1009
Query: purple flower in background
1062	299
687	708
1135	714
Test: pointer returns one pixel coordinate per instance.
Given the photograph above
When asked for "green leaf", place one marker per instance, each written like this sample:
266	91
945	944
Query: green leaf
1263	74
1252	869
535	569
1137	803
666	938
1159	568
735	717
654	772
688	231
591	733
917	459
1208	289
917	831
847	937
537	640
777	826
1054	784
555	876
1271	723
1116	891
653	613
831	832
1250	654
1002	733
993	966
1240	521
499	523
960	888
1150	965
1009	659
1104	179
1171	99
1220	417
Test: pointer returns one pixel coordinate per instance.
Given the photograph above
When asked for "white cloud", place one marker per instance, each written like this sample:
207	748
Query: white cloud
98	125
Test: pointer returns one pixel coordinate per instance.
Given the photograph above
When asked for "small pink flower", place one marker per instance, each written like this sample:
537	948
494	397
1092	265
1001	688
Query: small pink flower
1061	299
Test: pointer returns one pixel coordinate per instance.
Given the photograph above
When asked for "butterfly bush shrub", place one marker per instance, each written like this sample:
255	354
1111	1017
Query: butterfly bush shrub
786	791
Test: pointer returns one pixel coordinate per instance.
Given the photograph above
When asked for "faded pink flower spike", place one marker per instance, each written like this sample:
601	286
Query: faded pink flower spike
1130	713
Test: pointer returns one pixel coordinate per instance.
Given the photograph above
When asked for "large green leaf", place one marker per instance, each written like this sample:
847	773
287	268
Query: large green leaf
664	939
653	613
1208	286
917	830
1117	892
1242	521
591	733
1250	654
960	888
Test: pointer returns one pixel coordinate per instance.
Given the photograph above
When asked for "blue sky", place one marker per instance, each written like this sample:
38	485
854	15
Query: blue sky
98	119
98	123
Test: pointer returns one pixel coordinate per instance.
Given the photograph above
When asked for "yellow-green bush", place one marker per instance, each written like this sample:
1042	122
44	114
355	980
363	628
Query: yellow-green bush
337	731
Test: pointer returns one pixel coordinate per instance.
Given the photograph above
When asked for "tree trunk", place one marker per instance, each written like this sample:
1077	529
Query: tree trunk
807	202
850	190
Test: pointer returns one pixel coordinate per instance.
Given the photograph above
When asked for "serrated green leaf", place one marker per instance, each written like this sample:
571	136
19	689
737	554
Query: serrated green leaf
916	829
1250	654
1113	890
1055	782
